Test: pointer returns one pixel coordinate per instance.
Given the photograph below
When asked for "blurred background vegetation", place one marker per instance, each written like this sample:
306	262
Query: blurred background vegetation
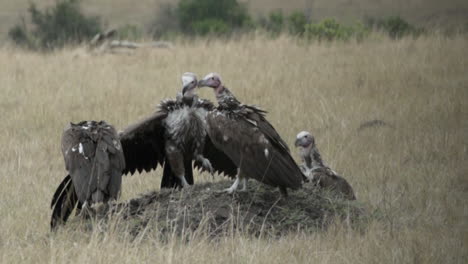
54	24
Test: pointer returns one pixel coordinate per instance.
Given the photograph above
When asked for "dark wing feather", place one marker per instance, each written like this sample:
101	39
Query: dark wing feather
63	202
258	115
60	189
255	148
143	143
220	162
110	162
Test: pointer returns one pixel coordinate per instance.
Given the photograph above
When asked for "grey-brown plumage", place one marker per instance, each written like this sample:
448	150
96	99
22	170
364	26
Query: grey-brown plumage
250	141
316	171
175	136
94	160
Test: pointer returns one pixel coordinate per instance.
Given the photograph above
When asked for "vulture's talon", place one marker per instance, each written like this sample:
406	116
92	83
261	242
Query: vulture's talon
228	190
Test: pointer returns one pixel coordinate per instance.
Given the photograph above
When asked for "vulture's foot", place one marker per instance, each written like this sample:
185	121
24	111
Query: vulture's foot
233	187
184	182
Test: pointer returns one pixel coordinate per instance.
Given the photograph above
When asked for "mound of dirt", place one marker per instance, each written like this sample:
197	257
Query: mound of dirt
259	209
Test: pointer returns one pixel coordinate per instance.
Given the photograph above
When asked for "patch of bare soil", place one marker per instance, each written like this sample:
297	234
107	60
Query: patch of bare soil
258	210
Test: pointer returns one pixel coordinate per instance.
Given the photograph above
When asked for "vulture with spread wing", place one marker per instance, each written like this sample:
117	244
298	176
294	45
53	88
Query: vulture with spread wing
249	140
315	169
174	136
94	160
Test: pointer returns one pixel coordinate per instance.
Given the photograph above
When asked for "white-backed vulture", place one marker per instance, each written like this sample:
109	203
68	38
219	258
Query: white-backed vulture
316	171
175	135
94	160
249	140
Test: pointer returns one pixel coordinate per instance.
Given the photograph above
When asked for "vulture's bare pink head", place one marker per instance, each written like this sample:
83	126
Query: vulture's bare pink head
212	80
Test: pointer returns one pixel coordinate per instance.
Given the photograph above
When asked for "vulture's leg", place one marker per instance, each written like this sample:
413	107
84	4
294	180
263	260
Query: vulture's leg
283	191
176	160
244	184
205	163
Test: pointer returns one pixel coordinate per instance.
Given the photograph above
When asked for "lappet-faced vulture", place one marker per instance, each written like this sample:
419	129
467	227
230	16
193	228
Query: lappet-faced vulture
249	140
174	136
94	160
315	169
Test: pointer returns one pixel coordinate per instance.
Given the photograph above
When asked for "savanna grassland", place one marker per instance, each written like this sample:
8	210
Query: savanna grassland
412	172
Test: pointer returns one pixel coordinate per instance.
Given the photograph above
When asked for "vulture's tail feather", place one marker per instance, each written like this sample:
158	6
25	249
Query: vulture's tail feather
63	202
60	190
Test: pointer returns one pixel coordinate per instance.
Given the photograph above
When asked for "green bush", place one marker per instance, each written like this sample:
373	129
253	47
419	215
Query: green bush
56	26
211	26
274	23
296	23
395	26
329	30
19	34
194	16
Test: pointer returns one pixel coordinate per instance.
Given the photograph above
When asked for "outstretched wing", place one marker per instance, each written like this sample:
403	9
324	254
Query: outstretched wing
143	144
220	162
255	147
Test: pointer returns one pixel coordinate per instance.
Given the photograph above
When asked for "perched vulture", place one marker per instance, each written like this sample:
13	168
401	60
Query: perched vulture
249	140
94	160
315	170
174	136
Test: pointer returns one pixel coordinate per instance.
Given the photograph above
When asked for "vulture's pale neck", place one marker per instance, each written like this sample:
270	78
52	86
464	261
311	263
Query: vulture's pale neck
225	97
311	157
220	91
187	98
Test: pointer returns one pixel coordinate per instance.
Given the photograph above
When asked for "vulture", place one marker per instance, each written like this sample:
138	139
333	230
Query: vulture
316	171
249	140
95	161
173	137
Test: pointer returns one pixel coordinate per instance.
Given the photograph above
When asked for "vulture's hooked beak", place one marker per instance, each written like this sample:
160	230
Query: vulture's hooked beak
201	83
189	87
302	142
297	142
185	89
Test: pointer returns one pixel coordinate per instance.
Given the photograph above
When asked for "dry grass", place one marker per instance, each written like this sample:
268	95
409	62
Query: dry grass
415	172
